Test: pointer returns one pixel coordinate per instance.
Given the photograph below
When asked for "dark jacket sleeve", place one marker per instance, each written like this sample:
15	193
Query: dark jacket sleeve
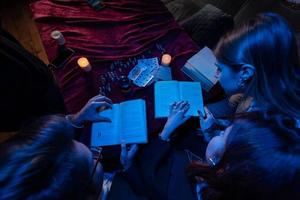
27	86
150	173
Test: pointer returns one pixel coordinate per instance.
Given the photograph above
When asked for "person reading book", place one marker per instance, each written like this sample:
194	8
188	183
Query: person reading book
265	72
260	60
43	161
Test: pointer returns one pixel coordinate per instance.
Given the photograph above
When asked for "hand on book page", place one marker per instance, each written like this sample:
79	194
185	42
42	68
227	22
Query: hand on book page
191	92
168	92
176	118
128	122
90	112
165	93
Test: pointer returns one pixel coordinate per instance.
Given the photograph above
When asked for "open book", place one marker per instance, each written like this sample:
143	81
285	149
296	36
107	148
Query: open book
201	67
168	92
128	123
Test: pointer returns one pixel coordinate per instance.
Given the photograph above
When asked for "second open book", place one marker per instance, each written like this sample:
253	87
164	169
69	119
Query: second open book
168	92
129	118
128	124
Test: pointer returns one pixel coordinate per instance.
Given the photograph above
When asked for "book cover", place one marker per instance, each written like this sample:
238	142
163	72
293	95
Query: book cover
201	67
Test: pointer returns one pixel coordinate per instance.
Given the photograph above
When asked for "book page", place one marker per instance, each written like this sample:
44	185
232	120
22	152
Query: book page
165	94
104	133
191	92
133	120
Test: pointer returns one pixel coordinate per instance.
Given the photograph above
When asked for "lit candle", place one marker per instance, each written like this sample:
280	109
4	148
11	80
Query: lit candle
84	64
58	36
166	60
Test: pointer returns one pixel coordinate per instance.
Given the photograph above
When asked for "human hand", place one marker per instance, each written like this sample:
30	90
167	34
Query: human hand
127	156
176	118
207	120
90	112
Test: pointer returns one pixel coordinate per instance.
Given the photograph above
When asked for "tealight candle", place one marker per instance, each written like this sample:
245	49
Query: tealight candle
84	64
58	36
166	60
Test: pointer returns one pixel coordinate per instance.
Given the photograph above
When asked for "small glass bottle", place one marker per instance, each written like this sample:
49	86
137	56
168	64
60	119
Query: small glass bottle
125	84
58	37
96	4
60	41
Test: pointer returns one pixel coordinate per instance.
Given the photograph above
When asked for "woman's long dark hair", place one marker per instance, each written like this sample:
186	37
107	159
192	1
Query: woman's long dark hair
262	161
268	43
39	163
27	86
262	157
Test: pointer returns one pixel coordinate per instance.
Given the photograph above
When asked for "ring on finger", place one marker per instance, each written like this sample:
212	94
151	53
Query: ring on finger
177	105
173	104
185	107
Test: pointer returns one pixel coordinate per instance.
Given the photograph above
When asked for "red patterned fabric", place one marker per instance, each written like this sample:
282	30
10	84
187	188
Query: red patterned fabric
124	29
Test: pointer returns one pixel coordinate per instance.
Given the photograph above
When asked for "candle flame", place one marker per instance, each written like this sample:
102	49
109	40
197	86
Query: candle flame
166	59
83	62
